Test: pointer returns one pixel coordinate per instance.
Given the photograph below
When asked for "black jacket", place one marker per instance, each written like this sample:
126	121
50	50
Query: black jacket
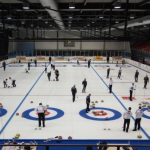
146	79
88	99
136	74
73	90
108	70
84	83
48	74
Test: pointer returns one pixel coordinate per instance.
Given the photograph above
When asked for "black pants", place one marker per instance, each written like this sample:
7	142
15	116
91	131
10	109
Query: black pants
137	123
110	88
88	65
119	75
35	65
28	67
84	88
51	66
126	122
41	117
5	85
49	78
74	95
87	107
131	94
4	67
145	84
13	83
107	75
136	79
57	77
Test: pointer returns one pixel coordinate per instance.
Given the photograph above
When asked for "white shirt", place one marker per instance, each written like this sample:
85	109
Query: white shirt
139	113
127	114
40	109
111	82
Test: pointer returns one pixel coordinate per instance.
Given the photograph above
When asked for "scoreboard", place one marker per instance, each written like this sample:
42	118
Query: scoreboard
69	43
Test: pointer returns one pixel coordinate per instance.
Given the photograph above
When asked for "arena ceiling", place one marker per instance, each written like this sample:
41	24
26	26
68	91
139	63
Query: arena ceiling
100	18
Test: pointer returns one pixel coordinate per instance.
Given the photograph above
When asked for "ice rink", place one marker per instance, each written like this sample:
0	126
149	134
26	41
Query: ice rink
66	118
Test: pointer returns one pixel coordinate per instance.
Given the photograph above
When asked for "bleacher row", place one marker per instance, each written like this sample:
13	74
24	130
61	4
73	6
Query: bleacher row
145	46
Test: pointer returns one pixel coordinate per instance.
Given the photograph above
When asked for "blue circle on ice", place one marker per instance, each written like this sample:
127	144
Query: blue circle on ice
145	116
3	112
117	114
59	114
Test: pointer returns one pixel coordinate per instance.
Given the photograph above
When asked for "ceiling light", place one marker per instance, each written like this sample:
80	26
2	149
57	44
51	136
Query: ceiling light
101	16
39	17
9	17
22	22
71	5
88	24
132	16
92	21
46	22
25	6
50	25
70	17
117	5
31	25
145	26
117	21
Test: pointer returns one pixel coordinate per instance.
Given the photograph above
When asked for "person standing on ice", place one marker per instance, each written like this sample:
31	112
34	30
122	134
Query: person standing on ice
41	113
108	71
119	73
88	103
131	91
49	75
13	82
89	63
4	65
126	116
5	83
136	76
146	80
84	83
139	113
74	91
110	85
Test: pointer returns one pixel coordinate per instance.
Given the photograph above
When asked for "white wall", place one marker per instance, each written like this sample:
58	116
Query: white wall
45	45
92	45
15	46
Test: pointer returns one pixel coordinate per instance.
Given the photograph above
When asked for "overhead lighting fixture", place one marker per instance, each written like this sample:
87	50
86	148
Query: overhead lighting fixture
117	21
31	25
70	17
39	17
25	6
22	22
46	22
88	24
132	16
92	21
71	5
50	25
9	17
101	16
117	5
145	26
